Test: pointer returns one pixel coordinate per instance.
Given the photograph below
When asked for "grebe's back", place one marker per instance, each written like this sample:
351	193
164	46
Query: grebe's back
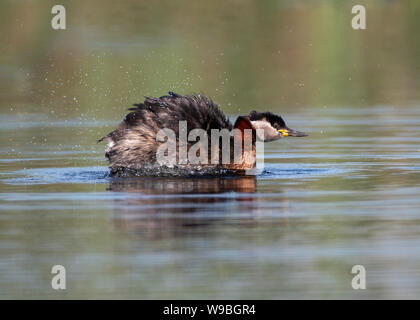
133	146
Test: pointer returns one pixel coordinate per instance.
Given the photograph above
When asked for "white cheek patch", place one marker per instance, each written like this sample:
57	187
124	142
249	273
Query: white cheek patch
268	133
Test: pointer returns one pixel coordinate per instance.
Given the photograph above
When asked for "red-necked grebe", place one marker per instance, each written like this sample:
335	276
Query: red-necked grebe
132	147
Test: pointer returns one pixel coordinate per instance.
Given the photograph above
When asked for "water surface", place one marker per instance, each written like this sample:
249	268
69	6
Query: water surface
345	195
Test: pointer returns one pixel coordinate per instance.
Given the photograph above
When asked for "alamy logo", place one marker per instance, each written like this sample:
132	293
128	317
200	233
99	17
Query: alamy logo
59	20
359	280
58	282
196	147
359	20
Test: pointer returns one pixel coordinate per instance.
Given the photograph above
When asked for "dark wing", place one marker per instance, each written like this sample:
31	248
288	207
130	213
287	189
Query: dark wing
198	110
154	114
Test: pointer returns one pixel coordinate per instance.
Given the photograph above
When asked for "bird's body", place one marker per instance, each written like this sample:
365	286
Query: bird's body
133	147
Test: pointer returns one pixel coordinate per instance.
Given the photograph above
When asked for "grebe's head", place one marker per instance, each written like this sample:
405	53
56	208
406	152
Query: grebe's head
273	126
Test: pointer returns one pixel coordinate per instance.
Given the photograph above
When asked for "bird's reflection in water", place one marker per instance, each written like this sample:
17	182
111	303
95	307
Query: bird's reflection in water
161	207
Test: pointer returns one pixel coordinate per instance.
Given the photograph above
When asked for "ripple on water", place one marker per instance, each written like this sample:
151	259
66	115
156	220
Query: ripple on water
301	171
99	174
91	175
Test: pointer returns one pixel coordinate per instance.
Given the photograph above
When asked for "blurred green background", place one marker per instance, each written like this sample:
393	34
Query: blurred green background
272	55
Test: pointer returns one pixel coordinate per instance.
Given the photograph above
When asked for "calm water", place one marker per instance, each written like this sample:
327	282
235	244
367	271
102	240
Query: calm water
346	195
